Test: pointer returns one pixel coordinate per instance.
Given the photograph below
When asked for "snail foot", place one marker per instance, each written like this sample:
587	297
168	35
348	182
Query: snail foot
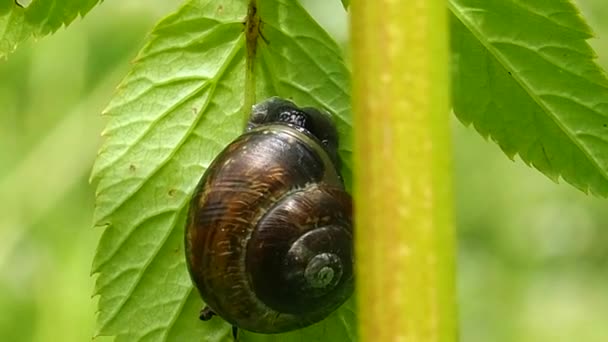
206	314
235	333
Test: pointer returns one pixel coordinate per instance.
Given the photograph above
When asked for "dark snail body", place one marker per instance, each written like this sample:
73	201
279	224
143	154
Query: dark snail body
269	233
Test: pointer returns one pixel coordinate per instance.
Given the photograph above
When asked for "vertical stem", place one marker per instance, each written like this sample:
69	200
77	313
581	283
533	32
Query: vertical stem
252	33
402	180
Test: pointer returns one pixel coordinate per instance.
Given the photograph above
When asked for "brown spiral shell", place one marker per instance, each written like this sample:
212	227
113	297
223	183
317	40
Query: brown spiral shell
269	232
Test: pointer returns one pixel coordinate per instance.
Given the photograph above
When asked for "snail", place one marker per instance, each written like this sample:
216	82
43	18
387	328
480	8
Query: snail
268	238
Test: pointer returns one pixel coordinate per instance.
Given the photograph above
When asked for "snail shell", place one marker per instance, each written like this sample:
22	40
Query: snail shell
269	232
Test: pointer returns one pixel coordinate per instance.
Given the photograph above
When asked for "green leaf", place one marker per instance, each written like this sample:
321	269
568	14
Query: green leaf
345	3
524	75
183	101
13	27
40	18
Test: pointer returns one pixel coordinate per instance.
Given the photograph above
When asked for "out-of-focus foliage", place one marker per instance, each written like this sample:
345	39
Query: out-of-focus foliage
533	262
533	255
51	96
21	19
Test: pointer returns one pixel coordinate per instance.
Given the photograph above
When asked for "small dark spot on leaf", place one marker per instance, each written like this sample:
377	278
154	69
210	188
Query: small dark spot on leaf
172	192
194	110
605	125
132	168
508	72
220	9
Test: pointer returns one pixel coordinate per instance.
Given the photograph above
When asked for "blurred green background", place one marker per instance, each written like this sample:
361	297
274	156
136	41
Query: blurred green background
533	255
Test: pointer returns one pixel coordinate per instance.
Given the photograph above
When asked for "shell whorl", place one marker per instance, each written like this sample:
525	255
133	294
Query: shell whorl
300	255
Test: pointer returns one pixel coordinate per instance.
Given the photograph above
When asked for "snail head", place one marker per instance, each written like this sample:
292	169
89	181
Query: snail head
309	120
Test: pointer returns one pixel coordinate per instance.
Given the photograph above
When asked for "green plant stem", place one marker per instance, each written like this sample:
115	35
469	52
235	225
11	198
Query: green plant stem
405	244
252	33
